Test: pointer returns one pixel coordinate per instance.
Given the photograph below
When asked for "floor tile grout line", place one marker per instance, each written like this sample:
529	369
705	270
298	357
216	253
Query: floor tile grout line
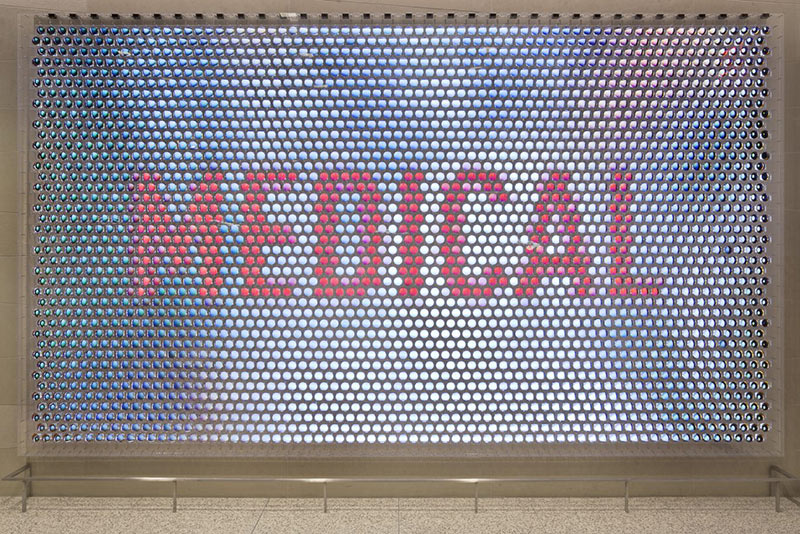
266	503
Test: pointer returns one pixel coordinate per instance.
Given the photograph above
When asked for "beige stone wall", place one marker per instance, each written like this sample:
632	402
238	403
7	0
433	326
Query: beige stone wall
9	190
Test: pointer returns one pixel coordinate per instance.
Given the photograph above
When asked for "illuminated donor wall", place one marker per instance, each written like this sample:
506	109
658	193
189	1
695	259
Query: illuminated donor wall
437	235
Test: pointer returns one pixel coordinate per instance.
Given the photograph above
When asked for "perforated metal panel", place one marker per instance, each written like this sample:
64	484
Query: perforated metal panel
489	235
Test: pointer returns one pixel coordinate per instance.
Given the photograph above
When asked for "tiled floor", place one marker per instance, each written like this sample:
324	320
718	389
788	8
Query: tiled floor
352	516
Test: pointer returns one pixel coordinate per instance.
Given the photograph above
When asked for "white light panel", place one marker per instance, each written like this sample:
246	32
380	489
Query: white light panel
495	236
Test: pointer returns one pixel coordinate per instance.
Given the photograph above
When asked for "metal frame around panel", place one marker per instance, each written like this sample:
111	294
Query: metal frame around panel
774	447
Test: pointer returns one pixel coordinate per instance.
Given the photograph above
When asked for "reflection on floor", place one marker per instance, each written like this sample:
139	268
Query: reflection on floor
65	515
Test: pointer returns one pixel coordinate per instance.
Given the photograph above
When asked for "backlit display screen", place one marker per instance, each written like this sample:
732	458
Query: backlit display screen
328	236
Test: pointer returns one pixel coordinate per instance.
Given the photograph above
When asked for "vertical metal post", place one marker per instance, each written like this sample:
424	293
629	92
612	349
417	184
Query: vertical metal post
627	496
476	497
174	495
26	491
324	497
778	489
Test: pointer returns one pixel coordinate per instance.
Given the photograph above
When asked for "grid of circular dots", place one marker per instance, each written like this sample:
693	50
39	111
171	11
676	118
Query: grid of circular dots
400	234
